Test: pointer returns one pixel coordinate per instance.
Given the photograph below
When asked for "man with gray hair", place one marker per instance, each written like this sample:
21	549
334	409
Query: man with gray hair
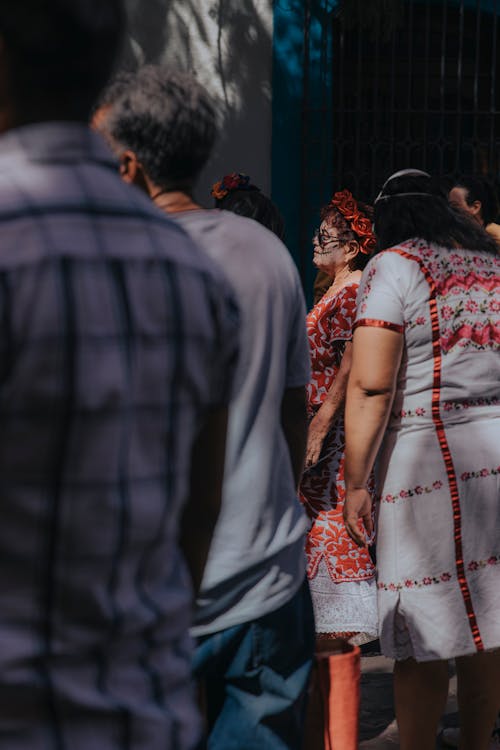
254	618
113	405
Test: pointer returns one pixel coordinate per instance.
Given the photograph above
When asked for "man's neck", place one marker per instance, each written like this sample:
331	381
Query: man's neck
173	201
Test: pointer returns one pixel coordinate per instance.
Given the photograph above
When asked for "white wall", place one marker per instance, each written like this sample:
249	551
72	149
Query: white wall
228	45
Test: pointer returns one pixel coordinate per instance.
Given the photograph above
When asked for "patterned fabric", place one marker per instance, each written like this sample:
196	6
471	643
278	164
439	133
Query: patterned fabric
116	336
329	326
438	542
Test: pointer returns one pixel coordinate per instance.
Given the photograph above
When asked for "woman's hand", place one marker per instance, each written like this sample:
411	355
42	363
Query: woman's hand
358	504
318	430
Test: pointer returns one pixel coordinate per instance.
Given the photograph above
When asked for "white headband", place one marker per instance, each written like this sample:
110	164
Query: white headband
401	173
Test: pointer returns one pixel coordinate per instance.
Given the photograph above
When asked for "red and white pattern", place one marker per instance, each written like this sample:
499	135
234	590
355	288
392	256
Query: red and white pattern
329	326
439	519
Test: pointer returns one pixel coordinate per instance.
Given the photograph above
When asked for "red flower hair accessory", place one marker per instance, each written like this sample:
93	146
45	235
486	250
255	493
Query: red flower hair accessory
361	225
233	181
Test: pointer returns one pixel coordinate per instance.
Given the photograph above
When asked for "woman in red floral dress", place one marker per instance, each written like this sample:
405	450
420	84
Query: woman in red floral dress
341	575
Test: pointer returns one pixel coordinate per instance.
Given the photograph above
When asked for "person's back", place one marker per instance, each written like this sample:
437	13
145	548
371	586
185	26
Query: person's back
256	564
423	402
98	419
107	378
254	595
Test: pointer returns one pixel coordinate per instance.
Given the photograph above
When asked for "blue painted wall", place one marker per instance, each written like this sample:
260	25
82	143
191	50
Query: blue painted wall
296	196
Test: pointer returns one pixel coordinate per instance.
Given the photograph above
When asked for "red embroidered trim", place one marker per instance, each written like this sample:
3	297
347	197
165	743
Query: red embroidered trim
411	584
472	566
409	493
445	451
479	335
372	323
466	404
455	280
479	474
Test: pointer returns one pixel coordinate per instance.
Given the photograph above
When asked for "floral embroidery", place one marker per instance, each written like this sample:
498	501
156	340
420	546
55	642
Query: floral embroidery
467	294
468	334
367	285
322	489
479	474
467	403
418	490
329	326
420	321
478	564
472	566
418	412
411	584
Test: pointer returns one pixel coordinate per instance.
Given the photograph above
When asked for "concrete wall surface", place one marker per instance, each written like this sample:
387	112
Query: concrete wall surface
227	44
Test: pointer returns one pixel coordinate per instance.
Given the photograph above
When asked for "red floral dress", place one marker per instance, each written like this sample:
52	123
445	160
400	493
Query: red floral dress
322	490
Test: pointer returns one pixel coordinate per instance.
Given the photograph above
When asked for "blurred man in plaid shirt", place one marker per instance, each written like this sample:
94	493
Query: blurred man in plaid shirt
113	401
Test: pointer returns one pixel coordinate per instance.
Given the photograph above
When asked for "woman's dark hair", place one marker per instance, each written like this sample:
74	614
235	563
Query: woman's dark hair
252	203
332	215
61	53
479	188
415	205
167	119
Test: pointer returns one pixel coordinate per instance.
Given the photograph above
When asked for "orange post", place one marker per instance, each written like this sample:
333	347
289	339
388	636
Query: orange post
339	679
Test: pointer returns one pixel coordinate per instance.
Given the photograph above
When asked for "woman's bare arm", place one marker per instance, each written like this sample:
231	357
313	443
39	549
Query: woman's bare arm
329	409
376	360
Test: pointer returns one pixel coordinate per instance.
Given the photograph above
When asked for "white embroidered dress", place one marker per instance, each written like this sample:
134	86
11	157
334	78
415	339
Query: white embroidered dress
438	543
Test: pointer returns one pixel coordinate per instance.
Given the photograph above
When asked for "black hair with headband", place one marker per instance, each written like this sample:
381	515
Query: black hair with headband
412	204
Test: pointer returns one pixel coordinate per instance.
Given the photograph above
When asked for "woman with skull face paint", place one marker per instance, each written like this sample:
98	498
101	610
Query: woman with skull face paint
341	576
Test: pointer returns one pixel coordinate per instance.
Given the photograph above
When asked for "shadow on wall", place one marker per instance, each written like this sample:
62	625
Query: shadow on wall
227	44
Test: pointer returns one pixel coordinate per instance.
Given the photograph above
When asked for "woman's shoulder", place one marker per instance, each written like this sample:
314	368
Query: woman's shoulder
397	260
331	301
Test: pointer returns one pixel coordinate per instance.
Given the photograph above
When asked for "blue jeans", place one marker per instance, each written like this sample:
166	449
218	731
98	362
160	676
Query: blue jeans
256	677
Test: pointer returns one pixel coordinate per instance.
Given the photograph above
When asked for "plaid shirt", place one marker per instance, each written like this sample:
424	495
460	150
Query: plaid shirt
116	335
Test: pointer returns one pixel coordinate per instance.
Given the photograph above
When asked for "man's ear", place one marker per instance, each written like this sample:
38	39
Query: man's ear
129	168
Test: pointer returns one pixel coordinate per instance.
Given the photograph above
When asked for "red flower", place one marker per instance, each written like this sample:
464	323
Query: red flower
231	181
345	203
218	190
362	226
368	245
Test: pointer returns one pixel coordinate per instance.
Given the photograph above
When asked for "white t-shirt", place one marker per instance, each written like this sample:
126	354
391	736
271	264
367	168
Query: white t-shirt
256	562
